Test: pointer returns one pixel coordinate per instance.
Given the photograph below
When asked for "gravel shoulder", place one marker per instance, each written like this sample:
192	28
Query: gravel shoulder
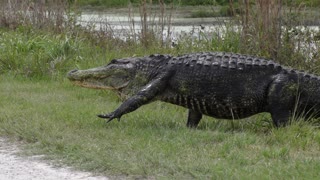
16	167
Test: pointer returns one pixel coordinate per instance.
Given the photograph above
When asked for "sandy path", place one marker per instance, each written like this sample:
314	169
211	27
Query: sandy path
13	167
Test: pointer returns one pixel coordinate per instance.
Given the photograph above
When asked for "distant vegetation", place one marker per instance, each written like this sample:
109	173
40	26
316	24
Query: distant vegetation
124	3
223	7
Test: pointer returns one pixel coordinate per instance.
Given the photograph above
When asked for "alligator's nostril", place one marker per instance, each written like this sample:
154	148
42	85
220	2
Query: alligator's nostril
72	71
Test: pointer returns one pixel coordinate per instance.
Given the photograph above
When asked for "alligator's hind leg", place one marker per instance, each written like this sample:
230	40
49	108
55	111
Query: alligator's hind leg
282	97
193	118
280	107
280	118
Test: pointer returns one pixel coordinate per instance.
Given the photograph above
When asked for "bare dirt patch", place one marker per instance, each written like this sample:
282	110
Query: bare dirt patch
16	167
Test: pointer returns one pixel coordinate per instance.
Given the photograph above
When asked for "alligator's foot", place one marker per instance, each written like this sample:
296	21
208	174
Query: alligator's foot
110	116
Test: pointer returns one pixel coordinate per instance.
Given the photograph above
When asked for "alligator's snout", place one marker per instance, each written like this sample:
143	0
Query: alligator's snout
70	74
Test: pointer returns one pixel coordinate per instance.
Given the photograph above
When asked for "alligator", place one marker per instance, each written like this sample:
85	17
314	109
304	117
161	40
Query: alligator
217	84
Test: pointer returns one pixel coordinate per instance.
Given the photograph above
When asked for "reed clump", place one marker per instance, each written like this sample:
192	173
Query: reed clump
52	15
281	31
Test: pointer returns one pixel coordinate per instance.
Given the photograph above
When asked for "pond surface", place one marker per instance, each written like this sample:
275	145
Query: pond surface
123	24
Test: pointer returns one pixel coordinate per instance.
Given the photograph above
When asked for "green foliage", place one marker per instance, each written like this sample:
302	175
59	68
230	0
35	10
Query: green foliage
34	53
124	3
228	12
37	54
310	3
106	3
224	3
197	2
200	13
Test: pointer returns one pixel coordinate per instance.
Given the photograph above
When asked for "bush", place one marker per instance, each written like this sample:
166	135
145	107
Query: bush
203	13
197	2
105	3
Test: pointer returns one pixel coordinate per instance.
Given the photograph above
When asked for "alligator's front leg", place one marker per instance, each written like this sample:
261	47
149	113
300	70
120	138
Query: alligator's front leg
128	106
144	96
193	118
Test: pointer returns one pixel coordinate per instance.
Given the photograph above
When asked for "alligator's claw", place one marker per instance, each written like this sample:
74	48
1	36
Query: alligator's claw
110	116
106	116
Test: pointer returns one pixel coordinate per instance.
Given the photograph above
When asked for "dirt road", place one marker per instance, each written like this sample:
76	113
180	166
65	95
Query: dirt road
13	167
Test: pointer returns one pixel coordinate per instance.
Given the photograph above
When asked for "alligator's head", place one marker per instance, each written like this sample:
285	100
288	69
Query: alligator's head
115	76
126	76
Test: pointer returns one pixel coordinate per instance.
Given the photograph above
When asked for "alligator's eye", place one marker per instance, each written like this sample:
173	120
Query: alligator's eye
113	61
125	62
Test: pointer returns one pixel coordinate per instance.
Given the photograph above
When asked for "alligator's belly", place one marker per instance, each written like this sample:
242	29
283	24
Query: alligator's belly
224	108
231	112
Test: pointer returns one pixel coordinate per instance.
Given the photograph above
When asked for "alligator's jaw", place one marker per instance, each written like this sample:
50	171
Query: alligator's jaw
95	86
114	76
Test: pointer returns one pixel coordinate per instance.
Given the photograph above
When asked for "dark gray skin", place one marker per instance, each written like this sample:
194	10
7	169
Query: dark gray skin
220	85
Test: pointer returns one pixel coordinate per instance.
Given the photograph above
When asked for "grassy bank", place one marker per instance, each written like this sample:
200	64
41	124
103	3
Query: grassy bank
58	119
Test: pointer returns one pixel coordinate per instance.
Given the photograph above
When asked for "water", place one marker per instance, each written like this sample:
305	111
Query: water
122	25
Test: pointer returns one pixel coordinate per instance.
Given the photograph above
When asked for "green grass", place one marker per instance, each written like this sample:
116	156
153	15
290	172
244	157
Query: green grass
39	53
58	119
